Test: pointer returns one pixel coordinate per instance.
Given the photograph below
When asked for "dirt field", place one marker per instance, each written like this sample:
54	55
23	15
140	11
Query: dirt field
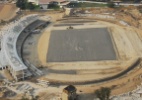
90	67
7	11
43	46
1	7
123	50
126	41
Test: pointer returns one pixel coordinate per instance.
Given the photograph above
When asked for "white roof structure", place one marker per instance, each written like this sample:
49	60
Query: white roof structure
44	2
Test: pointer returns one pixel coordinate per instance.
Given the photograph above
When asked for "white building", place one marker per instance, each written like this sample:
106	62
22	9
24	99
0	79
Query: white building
9	57
44	3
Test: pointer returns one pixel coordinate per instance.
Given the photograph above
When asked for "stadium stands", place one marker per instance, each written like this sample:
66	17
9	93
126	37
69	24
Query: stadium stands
8	53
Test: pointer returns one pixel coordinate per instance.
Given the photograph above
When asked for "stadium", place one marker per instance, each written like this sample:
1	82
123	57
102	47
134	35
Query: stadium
90	52
84	51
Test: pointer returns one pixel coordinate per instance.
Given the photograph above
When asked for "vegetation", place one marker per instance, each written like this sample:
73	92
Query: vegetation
140	9
92	5
85	4
53	6
103	93
24	98
111	5
24	4
2	21
33	98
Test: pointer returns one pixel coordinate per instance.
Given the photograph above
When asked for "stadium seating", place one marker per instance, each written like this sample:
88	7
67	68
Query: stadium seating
8	39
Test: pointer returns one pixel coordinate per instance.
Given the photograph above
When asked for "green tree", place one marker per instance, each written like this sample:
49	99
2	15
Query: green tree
111	4
103	93
30	6
53	6
22	4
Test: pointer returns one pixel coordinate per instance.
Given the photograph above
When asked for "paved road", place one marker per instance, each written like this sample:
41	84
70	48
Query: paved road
123	4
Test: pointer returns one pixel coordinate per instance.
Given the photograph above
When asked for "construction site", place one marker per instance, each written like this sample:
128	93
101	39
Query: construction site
89	48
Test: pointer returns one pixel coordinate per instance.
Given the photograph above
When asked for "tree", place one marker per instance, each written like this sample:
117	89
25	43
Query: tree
111	4
22	4
30	6
53	6
103	93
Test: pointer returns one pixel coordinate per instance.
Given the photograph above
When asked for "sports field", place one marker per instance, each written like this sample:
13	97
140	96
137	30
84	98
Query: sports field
91	44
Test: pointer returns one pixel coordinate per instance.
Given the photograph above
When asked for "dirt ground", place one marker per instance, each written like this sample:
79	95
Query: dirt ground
43	46
127	48
7	11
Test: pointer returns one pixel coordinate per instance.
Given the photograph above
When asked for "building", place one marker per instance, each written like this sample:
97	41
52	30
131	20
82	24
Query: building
44	3
9	57
69	93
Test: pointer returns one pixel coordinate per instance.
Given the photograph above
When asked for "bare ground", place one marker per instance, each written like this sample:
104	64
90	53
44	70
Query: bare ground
8	11
124	40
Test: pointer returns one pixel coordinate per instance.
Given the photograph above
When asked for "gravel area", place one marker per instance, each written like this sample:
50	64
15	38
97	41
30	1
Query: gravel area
92	44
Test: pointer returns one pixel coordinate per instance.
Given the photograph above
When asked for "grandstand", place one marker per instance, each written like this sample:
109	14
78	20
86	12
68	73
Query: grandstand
8	54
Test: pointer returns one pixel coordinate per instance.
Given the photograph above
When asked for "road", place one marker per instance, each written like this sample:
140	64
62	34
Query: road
122	4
